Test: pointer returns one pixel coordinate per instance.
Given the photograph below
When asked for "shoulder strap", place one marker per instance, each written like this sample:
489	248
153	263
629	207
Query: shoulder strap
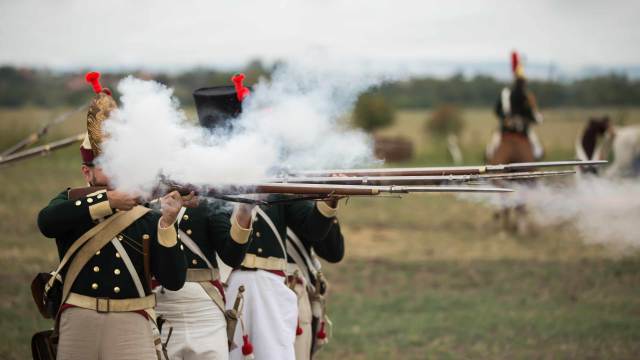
293	253
273	227
98	242
129	264
81	241
188	241
295	240
191	245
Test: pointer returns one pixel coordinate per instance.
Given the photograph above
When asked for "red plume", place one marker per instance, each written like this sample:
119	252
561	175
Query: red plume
241	90
515	61
93	78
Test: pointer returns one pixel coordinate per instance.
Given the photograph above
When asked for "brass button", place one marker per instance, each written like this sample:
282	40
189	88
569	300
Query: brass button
98	252
99	196
89	200
94	286
117	254
185	217
258	234
116	289
116	271
335	221
189	231
96	269
194	262
181	247
260	250
145	237
78	203
120	237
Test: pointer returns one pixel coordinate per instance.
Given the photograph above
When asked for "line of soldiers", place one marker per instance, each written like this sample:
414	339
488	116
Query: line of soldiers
145	284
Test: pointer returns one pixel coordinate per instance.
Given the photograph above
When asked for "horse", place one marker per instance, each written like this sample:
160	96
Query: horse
600	138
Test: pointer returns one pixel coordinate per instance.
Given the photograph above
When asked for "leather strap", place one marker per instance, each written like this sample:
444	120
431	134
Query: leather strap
271	263
112	305
78	243
214	294
198	275
98	242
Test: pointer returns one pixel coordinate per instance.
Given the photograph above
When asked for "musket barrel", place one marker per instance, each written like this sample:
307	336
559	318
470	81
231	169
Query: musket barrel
442	171
414	180
40	150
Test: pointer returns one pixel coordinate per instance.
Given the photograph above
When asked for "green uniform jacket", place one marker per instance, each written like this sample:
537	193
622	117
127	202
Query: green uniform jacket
311	220
209	226
105	275
331	248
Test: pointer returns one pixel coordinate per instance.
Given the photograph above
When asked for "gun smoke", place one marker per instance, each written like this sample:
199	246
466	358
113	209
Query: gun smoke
295	120
602	210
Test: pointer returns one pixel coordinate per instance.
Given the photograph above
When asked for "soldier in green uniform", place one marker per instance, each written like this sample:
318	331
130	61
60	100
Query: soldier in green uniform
196	312
270	307
107	309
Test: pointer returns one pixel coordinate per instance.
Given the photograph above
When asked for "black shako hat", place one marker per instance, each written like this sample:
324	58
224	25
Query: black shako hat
218	104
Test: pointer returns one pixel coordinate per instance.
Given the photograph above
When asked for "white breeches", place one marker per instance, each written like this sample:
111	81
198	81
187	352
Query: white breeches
270	314
199	326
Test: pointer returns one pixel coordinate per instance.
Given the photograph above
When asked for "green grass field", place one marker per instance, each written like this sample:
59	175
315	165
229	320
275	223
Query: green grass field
427	276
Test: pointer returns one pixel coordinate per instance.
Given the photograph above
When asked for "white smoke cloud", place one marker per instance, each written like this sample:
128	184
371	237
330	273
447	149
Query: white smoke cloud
603	211
292	121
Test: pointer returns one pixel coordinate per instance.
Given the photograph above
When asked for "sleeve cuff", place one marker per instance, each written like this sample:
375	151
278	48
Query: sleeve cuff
99	205
238	233
326	210
167	237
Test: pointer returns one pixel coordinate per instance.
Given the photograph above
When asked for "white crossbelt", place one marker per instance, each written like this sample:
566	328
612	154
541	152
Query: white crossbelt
188	241
273	227
127	262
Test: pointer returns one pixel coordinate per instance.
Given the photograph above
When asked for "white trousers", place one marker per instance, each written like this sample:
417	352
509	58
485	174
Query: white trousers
199	326
269	314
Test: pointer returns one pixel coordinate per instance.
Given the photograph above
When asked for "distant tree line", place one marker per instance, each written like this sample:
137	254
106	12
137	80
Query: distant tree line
22	86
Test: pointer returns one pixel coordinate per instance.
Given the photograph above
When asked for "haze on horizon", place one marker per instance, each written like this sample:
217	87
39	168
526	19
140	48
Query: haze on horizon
168	35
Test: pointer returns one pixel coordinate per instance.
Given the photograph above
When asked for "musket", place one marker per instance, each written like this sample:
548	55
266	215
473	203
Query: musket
41	150
307	191
451	170
35	136
416	180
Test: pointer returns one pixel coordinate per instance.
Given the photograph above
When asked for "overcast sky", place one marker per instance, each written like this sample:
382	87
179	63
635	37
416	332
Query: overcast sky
178	34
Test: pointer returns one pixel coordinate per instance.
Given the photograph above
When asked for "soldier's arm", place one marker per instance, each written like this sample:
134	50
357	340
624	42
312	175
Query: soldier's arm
331	248
62	215
168	262
230	237
310	220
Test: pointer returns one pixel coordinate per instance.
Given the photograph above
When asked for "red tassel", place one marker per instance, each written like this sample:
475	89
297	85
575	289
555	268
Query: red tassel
321	335
241	90
247	347
515	61
298	329
93	78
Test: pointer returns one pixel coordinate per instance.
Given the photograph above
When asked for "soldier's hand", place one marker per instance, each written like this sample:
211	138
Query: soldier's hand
333	201
243	215
190	200
170	205
121	200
